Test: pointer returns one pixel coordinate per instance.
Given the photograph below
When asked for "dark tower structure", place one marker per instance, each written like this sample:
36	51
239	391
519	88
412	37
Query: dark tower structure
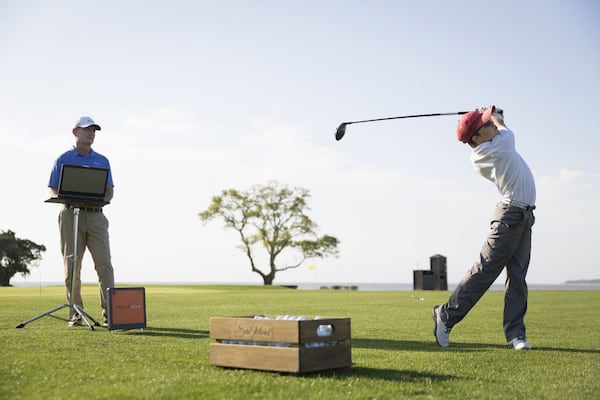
436	278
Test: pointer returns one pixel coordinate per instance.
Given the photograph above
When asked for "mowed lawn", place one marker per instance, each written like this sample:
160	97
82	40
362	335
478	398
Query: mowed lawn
393	349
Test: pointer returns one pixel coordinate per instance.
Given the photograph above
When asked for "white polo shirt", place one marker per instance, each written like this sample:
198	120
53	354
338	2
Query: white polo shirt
498	161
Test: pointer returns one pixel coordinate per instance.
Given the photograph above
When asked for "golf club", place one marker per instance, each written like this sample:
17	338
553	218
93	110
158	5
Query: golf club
341	130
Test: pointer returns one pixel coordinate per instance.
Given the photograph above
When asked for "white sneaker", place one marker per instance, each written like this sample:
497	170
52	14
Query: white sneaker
75	321
519	343
440	331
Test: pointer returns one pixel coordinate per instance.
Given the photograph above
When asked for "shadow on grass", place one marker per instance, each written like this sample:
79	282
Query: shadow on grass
173	332
413	345
387	374
369	343
567	350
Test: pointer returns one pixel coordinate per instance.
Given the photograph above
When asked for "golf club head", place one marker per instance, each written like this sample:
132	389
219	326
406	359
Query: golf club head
341	131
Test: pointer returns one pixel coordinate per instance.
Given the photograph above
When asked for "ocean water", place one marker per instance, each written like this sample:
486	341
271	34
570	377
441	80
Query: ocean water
348	286
451	286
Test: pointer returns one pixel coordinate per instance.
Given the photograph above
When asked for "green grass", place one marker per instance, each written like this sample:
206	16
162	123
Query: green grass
393	350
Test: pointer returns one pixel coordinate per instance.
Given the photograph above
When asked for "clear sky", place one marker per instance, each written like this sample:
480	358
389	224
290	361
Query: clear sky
199	96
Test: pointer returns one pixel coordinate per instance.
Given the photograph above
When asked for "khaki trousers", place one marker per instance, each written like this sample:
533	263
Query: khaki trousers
93	235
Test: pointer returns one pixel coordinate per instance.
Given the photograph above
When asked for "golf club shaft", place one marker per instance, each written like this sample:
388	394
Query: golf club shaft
341	130
408	116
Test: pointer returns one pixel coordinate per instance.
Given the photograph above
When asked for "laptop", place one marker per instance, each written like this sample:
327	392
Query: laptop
81	185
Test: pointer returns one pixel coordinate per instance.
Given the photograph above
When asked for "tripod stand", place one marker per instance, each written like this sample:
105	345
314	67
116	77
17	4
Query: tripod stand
73	308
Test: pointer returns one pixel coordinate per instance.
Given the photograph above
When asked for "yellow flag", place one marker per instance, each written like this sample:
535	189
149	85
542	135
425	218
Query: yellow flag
312	267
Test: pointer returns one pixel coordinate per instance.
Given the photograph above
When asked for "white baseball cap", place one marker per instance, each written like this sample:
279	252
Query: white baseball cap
84	122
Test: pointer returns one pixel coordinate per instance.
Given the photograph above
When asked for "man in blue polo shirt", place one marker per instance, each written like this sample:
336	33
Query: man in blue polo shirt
92	223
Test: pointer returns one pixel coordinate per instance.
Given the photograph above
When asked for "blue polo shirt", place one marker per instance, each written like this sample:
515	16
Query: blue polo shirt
73	157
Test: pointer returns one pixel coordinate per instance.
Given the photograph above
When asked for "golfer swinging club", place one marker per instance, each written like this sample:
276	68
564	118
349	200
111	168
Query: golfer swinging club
508	244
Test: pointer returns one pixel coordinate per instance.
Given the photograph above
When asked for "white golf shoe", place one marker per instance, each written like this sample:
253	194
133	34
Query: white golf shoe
520	343
440	331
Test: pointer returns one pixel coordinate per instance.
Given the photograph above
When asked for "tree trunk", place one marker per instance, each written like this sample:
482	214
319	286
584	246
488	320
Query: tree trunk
4	278
268	279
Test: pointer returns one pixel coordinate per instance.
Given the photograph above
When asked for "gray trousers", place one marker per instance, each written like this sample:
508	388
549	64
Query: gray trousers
93	234
508	245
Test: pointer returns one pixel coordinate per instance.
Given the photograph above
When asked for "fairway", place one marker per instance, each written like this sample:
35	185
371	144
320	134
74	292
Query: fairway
393	350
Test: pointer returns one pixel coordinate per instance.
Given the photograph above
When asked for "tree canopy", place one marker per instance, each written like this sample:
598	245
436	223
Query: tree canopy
272	217
16	255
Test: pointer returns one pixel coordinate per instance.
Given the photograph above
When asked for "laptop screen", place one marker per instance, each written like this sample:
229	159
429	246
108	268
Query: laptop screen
76	180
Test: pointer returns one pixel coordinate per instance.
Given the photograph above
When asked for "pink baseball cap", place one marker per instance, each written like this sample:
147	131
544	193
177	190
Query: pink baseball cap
471	122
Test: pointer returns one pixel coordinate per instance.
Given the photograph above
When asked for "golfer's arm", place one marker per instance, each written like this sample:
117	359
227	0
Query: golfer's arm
53	192
108	195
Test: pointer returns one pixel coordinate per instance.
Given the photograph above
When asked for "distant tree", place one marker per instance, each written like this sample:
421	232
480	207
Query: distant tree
16	255
272	217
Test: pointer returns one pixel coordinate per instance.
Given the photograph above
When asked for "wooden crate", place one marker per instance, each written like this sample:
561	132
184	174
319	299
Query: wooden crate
280	345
